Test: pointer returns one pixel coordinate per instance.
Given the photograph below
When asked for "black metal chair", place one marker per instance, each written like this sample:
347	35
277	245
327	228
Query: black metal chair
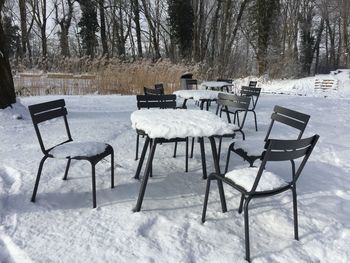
159	86
161	102
92	152
227	88
191	84
250	150
254	93
231	104
252	84
156	91
260	182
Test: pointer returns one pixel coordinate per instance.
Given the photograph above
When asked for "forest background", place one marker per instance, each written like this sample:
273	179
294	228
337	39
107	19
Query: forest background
158	40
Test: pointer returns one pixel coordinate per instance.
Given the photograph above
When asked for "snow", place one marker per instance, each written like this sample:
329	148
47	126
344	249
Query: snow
214	84
61	226
74	149
179	123
246	176
197	94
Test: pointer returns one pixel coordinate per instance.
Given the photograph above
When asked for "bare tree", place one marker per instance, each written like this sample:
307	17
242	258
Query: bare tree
103	27
152	28
136	17
23	17
41	13
344	8
7	90
64	14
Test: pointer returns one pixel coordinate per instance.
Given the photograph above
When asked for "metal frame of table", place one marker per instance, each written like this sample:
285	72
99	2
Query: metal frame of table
217	85
201	101
148	168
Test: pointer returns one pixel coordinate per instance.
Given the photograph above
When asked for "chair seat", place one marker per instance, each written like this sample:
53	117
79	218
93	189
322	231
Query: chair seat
251	147
78	149
245	177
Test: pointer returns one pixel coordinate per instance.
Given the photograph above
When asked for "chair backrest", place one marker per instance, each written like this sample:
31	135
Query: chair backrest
156	101
151	91
254	93
228	87
159	86
287	150
236	102
252	84
190	83
47	111
225	80
290	118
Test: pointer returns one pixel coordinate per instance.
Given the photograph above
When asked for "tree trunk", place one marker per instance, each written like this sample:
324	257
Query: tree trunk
23	16
7	90
345	48
136	16
103	28
152	28
64	23
214	39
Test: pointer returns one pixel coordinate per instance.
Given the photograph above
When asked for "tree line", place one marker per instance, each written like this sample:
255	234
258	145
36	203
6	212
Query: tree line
278	38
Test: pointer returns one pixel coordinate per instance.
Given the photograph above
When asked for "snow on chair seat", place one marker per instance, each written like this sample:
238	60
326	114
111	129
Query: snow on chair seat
76	149
245	177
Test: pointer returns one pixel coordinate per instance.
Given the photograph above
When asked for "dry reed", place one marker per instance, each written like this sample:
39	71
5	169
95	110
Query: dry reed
105	77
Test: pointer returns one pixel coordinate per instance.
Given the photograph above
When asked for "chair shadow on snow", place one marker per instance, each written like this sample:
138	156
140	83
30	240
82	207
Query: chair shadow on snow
75	192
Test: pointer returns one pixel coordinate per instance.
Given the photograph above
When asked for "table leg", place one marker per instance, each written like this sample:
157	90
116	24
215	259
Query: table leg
184	104
145	176
142	158
217	171
202	104
204	165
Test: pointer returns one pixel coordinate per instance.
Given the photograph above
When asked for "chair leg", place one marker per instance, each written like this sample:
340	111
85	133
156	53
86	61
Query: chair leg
137	147
240	208
204	165
38	178
192	146
93	185
112	169
142	158
295	212
186	161
206	200
228	157
219	149
151	169
217	171
238	122
145	178
243	135
256	123
246	230
67	168
175	148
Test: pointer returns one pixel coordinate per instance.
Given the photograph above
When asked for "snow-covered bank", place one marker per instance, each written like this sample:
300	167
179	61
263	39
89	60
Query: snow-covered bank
62	227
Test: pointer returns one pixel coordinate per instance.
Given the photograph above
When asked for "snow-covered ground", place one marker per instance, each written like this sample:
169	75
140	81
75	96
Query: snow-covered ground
62	226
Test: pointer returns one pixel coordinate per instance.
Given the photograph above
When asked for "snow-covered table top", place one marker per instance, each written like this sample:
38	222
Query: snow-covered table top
179	123
197	94
216	84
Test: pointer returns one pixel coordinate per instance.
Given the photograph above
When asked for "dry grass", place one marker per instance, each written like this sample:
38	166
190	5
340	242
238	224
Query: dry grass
112	77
